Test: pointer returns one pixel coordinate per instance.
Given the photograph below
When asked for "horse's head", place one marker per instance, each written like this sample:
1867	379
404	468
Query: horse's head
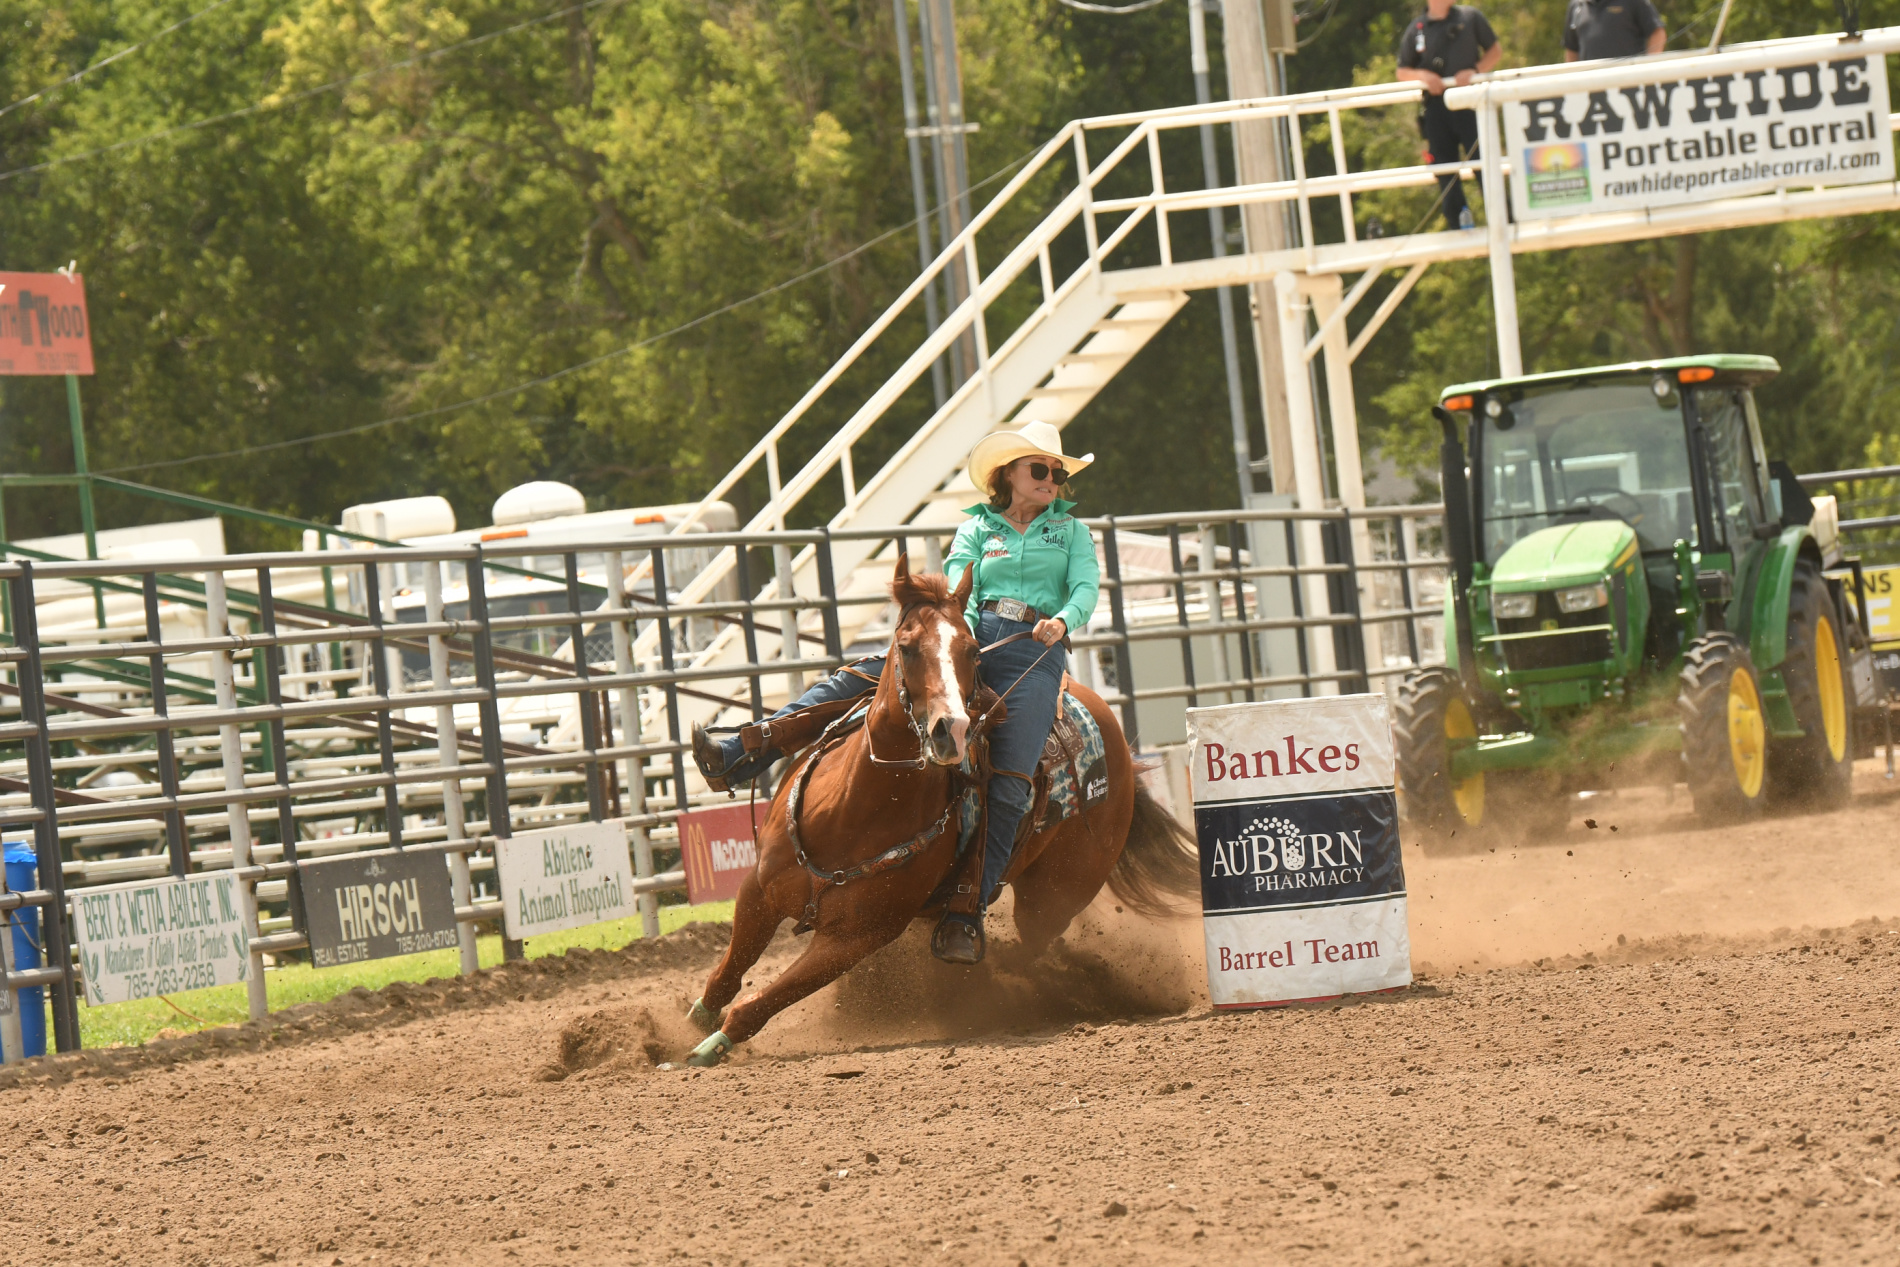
933	657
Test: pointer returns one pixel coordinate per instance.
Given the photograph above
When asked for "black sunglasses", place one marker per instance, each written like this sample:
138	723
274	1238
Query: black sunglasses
1041	471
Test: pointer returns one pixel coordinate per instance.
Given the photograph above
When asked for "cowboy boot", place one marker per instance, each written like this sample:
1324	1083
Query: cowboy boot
959	935
710	758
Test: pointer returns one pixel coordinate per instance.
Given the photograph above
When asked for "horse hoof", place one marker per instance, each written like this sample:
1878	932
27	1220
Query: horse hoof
710	1052
703	1018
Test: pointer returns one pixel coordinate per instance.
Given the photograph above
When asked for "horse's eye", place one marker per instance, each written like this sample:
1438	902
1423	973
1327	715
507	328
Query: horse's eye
909	651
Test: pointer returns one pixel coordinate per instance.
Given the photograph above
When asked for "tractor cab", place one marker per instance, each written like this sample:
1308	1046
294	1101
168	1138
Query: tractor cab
1596	496
1637	594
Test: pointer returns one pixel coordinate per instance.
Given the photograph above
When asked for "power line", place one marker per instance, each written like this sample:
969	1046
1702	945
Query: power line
76	76
273	103
518	388
1085	7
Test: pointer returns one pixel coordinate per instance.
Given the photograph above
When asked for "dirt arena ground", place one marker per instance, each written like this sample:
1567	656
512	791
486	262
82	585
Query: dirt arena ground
1654	1045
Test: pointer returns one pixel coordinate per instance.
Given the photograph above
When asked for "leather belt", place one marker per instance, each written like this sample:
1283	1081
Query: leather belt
1014	609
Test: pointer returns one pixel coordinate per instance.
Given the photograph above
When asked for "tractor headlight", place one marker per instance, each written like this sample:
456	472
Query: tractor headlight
1583	598
1513	606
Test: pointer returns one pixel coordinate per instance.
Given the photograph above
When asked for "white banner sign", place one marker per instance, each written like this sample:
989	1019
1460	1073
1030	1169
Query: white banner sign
160	937
1674	141
1302	891
564	877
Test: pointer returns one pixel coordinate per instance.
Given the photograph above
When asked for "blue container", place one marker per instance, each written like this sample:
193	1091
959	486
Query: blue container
22	874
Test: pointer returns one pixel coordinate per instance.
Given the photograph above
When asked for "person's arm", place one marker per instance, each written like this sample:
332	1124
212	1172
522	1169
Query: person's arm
963	554
1650	23
1433	84
1490	51
1572	41
1085	580
1570	54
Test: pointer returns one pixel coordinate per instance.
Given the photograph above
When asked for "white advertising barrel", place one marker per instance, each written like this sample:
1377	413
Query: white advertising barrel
1302	887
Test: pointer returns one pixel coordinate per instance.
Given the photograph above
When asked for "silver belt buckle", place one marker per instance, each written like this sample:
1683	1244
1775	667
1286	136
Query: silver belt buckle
1012	609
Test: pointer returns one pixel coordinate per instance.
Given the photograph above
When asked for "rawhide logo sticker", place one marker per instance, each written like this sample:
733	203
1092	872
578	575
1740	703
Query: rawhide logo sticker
1302	885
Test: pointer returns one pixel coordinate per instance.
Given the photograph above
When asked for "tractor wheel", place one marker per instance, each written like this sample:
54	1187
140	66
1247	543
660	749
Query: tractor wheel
1818	768
1432	710
1724	735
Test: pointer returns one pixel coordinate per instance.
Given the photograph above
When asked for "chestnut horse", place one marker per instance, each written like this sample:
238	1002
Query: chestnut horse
855	810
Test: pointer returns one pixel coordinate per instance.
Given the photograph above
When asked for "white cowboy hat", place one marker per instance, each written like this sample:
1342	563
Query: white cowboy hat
1000	448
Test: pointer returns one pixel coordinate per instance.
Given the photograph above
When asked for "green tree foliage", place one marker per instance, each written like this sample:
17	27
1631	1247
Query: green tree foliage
350	211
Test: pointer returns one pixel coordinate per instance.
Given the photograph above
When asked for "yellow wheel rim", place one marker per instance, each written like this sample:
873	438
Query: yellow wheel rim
1827	665
1747	734
1466	794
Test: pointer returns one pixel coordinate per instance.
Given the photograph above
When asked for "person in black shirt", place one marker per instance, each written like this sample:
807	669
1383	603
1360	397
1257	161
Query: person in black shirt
1447	45
1612	28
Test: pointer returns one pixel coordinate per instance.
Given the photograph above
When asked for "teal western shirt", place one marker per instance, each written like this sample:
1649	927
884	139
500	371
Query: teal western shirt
1050	565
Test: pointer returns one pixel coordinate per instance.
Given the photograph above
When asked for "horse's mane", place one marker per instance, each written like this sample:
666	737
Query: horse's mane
920	587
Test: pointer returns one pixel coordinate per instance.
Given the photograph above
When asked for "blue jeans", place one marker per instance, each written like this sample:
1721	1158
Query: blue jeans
742	768
1016	745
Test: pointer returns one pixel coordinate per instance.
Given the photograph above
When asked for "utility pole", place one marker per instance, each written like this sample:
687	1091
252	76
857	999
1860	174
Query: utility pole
913	134
1217	225
943	96
1257	160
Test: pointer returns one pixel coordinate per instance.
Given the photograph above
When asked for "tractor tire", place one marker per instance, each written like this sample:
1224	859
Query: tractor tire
1432	710
1724	734
1816	770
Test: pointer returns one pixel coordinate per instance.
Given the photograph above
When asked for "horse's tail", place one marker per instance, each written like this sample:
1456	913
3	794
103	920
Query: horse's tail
1160	866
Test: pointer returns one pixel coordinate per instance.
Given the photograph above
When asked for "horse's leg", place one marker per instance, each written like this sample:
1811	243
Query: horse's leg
754	921
1061	883
837	945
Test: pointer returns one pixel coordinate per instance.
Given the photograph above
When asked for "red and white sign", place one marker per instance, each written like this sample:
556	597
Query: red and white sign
717	852
1302	886
43	324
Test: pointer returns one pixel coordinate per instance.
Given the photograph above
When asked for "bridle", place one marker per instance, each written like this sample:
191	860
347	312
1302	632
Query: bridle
977	723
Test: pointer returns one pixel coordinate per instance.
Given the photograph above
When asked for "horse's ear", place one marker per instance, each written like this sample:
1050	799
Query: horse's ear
901	574
961	599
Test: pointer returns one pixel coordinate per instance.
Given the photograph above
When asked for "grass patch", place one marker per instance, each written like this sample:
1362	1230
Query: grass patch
130	1024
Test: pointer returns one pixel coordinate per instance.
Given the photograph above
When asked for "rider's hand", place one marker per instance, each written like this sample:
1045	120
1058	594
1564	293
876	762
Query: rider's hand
1051	631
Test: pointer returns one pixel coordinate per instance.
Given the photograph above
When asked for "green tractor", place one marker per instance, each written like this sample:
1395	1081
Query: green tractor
1635	595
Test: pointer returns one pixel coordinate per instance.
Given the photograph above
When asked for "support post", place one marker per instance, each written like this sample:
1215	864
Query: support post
1217	227
88	521
1308	478
55	940
1497	223
231	751
634	771
920	200
448	756
1250	76
500	817
1343	411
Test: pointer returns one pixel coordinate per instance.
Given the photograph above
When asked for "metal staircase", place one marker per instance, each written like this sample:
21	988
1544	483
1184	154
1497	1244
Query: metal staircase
1093	321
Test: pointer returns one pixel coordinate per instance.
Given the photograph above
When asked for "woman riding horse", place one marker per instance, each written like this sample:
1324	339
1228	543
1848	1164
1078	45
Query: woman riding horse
1035	575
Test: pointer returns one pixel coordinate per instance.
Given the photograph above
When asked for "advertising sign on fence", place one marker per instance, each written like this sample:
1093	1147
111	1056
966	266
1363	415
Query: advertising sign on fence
1302	891
564	877
374	905
1678	140
160	937
43	325
717	852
